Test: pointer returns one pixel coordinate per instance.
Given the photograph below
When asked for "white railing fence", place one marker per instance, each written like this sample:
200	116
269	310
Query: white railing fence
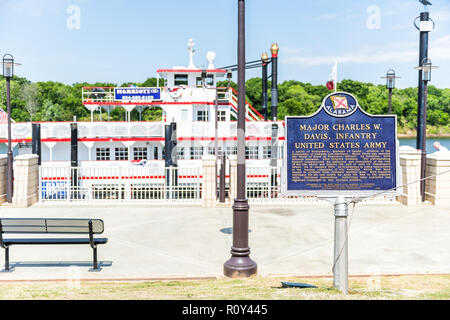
157	185
264	186
120	184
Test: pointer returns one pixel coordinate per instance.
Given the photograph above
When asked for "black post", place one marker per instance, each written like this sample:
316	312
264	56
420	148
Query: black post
33	138
423	54
390	100
173	141
74	157
174	156
73	145
36	141
423	160
168	146
222	179
274	51
264	87
10	170
168	156
274	140
240	264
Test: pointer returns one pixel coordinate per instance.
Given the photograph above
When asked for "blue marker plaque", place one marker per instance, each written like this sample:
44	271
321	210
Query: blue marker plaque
340	150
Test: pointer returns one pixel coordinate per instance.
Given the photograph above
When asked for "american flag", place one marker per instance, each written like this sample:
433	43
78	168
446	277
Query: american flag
3	116
140	163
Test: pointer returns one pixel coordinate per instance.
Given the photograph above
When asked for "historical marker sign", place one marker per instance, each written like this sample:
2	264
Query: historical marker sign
340	150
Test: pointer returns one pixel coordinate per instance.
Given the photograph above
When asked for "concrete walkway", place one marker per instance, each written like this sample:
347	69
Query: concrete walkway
154	242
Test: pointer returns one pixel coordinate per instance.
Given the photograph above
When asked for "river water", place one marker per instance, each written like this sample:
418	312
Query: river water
430	141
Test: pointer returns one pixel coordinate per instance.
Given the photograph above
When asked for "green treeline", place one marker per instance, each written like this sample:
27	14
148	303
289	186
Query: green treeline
54	101
298	98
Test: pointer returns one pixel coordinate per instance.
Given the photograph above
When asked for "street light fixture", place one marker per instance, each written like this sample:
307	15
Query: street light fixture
425	71
8	73
426	68
390	85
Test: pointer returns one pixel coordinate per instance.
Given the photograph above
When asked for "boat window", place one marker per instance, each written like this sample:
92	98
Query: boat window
181	79
180	152
232	150
212	150
221	115
121	154
202	115
102	154
140	153
251	152
267	152
209	81
196	153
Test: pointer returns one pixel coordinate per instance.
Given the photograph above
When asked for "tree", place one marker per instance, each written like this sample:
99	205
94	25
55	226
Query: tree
30	94
54	112
153	82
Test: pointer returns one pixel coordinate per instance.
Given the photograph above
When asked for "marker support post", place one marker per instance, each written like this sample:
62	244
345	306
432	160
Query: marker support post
340	265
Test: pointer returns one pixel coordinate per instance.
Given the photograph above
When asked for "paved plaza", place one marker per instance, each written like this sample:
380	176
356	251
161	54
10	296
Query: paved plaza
147	242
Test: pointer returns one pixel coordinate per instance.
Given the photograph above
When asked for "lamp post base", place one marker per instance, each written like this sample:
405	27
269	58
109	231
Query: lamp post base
240	267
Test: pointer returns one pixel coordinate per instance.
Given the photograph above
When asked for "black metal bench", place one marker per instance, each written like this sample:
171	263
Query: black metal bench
51	226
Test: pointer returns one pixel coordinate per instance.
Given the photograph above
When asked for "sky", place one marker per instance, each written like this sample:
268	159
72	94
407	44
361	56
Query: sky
121	41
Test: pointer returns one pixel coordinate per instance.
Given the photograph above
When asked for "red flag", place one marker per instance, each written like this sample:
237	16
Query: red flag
332	78
330	85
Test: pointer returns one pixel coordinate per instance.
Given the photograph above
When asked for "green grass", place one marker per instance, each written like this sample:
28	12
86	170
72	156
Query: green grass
255	288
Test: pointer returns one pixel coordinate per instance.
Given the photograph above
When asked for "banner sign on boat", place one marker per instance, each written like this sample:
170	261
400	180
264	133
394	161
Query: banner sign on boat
340	150
136	94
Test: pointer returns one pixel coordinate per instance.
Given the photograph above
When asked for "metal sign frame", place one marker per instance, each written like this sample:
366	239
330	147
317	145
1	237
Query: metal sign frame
336	193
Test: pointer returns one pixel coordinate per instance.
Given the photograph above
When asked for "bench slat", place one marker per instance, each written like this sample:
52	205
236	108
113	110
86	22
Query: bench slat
36	225
53	241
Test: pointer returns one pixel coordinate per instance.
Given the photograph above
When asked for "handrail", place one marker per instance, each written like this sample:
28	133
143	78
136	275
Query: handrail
250	113
88	97
256	111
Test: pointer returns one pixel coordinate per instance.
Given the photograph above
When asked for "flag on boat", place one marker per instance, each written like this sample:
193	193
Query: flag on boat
3	116
140	163
332	78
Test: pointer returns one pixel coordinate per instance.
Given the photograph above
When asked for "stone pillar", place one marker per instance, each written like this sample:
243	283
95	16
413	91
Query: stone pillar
3	161
438	186
26	180
233	175
410	164
208	181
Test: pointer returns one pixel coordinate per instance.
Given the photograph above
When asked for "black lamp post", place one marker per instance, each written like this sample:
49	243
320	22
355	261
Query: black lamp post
8	73
390	85
425	25
240	264
425	71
